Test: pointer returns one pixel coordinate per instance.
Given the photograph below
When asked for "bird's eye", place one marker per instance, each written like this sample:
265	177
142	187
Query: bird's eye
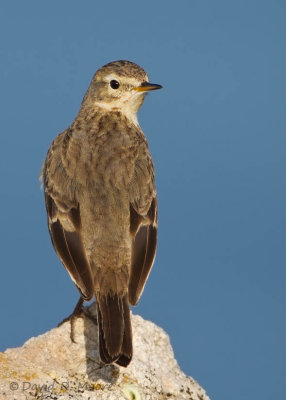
114	84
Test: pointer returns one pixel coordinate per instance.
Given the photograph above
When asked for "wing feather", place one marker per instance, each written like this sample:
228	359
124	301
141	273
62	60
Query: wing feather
69	246
143	249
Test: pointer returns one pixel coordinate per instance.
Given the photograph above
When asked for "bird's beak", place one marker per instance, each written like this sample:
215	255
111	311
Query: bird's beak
146	87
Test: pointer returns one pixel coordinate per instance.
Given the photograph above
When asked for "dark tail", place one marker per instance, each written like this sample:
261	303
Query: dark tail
115	332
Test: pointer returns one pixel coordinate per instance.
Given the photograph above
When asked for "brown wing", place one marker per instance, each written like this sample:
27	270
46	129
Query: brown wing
65	233
143	225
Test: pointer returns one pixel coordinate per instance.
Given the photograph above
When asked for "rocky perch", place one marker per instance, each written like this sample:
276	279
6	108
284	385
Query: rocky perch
50	366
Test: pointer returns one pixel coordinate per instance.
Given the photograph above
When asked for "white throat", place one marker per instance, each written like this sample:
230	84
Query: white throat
126	111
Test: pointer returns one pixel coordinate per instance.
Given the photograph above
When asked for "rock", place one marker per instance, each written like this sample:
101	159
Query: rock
50	366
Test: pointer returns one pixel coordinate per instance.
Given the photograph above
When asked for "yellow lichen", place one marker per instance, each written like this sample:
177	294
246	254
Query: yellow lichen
97	386
31	376
127	379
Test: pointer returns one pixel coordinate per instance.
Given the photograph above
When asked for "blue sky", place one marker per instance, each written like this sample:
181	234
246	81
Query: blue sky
217	136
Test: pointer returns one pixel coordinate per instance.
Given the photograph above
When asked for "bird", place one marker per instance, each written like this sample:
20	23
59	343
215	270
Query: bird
101	202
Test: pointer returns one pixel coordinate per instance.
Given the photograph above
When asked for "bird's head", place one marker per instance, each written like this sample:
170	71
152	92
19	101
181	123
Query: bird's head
119	85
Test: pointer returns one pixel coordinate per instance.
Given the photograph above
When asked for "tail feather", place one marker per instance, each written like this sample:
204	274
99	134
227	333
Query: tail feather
126	349
115	332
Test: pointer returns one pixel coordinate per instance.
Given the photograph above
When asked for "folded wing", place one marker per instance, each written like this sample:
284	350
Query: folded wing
143	228
65	231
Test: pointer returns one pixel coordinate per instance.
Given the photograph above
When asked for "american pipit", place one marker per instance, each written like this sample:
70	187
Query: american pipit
101	202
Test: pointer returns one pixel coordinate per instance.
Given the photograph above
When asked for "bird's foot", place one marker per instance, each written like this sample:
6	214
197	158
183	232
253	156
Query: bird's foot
74	315
77	313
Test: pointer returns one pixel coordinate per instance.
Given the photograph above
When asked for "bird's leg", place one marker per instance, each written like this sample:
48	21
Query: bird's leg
77	310
75	314
72	317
